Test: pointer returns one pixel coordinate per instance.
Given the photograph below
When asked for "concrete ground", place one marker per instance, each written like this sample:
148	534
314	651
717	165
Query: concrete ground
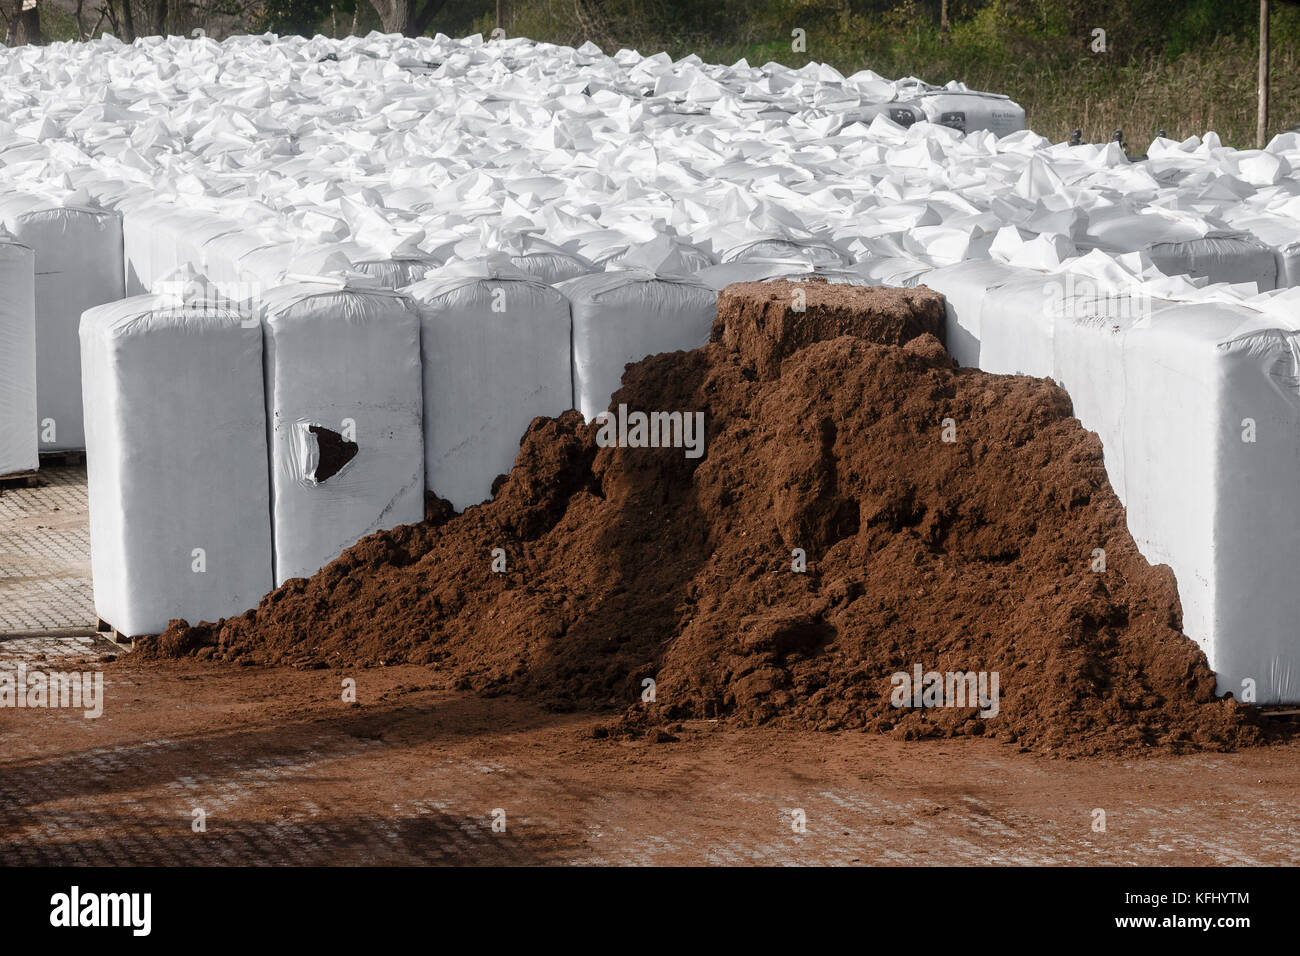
45	555
194	763
204	764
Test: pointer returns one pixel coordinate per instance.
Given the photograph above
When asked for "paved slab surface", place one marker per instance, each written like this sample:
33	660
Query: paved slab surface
45	555
282	770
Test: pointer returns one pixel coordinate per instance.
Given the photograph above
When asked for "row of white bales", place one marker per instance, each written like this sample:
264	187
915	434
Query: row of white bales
494	182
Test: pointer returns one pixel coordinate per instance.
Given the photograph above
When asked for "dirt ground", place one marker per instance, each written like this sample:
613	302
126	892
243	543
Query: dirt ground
284	771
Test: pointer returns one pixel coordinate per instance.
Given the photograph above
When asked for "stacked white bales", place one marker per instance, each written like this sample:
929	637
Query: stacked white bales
344	414
1197	405
18	445
648	307
78	250
495	354
1184	248
176	459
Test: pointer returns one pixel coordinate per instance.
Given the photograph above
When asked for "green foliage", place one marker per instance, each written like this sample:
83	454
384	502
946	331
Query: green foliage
1179	66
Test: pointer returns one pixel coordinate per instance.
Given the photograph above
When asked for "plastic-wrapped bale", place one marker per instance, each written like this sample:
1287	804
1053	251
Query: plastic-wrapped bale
1181	248
78	266
815	252
344	410
495	344
18	452
1199	418
1281	233
900	112
964	287
176	457
1212	436
968	111
896	271
547	261
395	272
623	316
694	259
1070	327
528	252
160	237
237	257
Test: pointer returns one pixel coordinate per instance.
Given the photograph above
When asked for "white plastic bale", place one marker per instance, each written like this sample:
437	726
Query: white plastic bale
1198	412
18	446
176	460
78	266
345	357
621	317
1281	233
1219	258
396	273
1212	442
724	274
158	239
904	113
969	112
495	345
1070	328
964	287
1181	248
813	251
693	258
894	271
552	265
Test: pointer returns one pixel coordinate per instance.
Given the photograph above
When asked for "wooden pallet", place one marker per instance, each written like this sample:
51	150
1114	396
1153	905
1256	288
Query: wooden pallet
22	479
56	459
103	627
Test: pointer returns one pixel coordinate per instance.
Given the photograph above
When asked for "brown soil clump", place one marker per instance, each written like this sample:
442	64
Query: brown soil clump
948	518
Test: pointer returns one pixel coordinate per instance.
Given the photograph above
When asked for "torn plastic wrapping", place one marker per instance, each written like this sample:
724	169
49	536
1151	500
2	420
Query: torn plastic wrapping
176	461
341	355
17	357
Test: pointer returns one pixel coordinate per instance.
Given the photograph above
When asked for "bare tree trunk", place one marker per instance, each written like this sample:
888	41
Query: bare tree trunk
128	22
158	18
405	16
424	19
81	26
943	22
26	22
394	15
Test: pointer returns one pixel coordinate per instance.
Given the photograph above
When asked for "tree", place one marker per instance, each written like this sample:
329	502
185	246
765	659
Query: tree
407	17
24	22
127	22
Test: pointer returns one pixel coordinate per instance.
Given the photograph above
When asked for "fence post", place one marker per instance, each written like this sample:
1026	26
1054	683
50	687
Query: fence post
1261	128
